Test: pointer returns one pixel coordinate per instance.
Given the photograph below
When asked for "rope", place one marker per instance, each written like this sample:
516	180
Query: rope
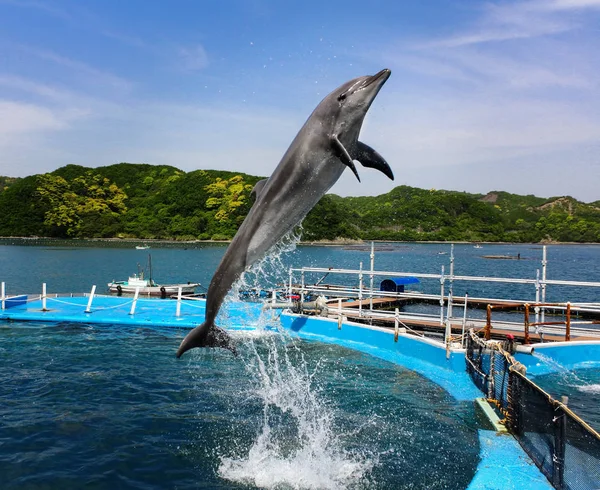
191	304
64	302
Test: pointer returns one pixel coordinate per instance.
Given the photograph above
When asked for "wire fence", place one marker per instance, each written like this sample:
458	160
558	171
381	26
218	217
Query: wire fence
563	446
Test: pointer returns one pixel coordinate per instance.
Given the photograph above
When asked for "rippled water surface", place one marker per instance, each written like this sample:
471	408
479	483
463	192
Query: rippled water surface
111	407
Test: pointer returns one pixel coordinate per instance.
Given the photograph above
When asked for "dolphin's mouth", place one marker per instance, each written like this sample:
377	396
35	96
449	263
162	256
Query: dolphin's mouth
379	78
383	74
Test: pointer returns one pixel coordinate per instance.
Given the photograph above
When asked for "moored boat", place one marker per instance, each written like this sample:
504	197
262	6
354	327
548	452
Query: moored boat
148	287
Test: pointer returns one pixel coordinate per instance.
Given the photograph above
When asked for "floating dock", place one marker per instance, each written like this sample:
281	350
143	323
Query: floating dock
119	310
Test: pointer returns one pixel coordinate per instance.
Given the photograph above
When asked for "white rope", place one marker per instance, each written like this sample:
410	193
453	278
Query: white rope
95	309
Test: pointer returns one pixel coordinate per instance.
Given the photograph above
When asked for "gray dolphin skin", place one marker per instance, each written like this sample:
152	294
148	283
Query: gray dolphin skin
324	147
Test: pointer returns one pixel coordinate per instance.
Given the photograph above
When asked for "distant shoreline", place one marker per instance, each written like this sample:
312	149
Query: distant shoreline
309	243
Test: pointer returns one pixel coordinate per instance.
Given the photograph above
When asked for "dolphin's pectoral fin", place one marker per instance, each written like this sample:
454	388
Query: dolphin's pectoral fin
368	157
343	154
258	187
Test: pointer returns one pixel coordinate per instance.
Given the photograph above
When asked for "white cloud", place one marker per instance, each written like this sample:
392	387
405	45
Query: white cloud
193	58
92	75
17	118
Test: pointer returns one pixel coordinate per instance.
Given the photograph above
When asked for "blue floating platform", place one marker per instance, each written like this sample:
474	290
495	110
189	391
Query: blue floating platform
117	310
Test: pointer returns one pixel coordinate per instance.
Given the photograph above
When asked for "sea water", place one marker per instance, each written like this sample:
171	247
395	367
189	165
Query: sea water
580	386
111	407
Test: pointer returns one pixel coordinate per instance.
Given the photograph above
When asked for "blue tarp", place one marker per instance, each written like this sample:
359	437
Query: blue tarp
397	284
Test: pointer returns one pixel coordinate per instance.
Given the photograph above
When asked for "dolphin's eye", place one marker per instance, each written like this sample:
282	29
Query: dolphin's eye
342	96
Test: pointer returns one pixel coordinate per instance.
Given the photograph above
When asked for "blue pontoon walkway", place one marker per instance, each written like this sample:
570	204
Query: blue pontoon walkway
119	310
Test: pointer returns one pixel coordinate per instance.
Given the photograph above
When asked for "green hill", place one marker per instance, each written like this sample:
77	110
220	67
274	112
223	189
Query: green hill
160	201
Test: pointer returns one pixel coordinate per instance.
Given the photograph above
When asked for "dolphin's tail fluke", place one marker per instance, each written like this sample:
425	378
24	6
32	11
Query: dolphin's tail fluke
206	335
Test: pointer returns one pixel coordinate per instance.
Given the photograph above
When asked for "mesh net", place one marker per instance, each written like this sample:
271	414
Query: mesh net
564	447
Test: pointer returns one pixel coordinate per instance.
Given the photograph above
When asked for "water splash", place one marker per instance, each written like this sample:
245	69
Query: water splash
296	445
569	377
590	388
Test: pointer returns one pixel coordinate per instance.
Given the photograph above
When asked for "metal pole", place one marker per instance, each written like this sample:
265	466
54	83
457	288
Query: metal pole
302	288
568	323
360	290
396	325
372	269
290	286
44	297
537	296
464	323
442	279
560	445
89	305
526	325
2	292
178	309
135	298
450	290
544	271
340	313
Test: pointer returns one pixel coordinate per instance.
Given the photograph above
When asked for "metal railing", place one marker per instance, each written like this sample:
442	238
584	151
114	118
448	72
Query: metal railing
562	445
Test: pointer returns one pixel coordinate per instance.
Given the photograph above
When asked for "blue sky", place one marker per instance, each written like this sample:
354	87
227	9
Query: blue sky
483	95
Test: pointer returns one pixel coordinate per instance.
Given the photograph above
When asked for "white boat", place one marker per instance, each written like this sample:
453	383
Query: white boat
142	247
477	246
148	287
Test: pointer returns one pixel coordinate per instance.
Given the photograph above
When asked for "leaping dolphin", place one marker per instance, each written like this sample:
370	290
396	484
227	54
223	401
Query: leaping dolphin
323	148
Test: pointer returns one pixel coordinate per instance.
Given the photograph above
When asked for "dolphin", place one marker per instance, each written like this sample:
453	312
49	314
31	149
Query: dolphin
322	149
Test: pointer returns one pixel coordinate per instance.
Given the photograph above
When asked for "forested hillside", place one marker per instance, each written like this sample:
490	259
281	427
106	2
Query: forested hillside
150	201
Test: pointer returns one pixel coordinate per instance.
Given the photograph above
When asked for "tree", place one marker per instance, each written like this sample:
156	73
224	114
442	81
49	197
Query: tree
81	207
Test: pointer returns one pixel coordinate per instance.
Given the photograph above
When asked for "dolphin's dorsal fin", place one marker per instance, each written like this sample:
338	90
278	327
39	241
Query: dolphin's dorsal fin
343	154
258	187
368	157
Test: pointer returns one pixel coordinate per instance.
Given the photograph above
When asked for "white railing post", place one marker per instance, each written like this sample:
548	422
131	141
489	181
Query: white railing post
451	286
396	324
360	290
372	278
544	272
135	298
442	279
464	322
44	297
3	294
178	310
290	286
301	291
89	305
537	296
340	319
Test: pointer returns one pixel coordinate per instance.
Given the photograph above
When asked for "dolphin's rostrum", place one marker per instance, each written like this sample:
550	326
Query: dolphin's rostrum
324	147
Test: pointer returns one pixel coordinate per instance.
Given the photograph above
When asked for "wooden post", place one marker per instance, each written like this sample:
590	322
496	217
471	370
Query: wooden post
568	323
488	323
526	324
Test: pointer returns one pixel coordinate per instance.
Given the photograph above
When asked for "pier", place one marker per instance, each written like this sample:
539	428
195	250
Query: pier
536	320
